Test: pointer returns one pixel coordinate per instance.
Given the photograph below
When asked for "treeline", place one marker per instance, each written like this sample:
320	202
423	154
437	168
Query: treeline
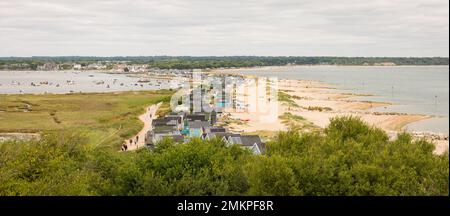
348	158
189	62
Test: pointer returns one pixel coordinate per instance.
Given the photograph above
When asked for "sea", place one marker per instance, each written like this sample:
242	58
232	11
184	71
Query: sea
59	82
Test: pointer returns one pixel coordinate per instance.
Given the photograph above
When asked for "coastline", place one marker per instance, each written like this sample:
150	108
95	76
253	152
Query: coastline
316	104
283	67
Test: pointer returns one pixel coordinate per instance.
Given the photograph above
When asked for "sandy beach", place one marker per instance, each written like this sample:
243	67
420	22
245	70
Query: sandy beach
316	102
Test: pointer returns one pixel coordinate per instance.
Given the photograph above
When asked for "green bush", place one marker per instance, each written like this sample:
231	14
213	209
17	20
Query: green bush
352	158
348	158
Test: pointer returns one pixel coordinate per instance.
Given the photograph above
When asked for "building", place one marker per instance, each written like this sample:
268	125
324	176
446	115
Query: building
198	128
48	66
184	125
77	67
161	129
216	130
197	117
96	66
172	120
219	135
252	142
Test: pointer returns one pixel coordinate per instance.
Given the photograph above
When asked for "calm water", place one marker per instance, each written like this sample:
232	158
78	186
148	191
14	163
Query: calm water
416	90
16	82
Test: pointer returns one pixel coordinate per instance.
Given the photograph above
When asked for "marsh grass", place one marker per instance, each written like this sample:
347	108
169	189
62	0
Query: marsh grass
98	115
286	99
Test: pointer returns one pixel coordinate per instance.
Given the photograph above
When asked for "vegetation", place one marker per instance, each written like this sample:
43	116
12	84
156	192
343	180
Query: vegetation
286	99
189	62
347	158
298	123
318	108
264	134
296	97
164	109
105	118
230	121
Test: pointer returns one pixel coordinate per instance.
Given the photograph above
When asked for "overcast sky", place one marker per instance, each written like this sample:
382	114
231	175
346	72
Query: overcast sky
224	27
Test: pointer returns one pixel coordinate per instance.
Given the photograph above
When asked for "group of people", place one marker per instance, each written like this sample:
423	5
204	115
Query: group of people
131	142
134	141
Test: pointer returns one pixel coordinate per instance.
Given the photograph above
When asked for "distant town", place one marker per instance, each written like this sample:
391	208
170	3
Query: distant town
141	64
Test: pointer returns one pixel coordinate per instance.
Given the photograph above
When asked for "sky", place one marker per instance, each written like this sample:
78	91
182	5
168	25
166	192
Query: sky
406	28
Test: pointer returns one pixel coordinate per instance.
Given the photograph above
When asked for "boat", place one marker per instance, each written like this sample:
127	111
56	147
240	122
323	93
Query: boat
100	82
143	80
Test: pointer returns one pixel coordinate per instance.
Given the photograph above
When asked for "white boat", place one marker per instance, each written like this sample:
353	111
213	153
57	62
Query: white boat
144	80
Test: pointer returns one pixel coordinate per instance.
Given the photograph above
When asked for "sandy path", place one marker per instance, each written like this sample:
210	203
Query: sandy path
147	118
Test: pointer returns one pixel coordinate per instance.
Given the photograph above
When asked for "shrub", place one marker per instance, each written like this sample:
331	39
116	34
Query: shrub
348	158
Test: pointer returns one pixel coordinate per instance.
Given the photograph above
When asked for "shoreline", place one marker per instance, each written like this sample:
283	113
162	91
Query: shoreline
262	68
83	93
315	103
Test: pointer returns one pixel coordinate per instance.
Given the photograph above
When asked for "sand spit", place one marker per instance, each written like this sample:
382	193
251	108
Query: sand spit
317	102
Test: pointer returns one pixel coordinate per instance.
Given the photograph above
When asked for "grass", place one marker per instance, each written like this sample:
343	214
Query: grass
296	122
164	109
234	121
265	134
286	99
287	90
318	108
301	98
105	118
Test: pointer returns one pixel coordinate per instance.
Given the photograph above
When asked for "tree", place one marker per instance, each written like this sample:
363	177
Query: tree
348	158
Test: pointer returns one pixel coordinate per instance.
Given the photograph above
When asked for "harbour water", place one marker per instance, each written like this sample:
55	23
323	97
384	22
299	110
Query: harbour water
38	82
410	89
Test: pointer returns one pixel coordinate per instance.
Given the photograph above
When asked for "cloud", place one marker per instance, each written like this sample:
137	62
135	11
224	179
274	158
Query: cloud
232	27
